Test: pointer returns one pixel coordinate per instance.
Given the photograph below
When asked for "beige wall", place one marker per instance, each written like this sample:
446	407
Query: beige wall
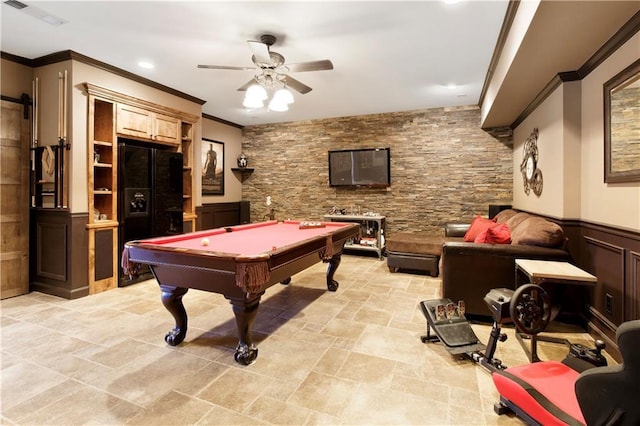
558	122
548	119
15	79
232	139
571	149
617	203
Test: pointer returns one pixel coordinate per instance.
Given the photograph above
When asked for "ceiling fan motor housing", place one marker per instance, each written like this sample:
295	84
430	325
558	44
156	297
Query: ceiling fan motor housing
268	39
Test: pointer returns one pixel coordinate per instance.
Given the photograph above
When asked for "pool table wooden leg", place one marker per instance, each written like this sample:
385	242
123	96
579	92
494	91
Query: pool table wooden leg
334	262
172	300
245	311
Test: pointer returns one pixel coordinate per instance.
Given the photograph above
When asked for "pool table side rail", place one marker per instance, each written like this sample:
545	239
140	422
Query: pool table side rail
252	272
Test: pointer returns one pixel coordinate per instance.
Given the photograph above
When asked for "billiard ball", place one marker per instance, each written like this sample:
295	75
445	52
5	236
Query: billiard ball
205	242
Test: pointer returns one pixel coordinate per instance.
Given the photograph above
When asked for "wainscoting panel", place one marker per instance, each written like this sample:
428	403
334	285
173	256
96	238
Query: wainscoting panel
607	263
634	285
58	253
613	255
52	244
218	215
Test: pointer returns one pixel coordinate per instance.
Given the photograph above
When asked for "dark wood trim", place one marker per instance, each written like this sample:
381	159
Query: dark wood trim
17	59
545	93
634	281
507	22
219	215
70	55
628	30
221	120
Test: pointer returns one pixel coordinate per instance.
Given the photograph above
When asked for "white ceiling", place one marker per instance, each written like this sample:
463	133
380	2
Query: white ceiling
388	55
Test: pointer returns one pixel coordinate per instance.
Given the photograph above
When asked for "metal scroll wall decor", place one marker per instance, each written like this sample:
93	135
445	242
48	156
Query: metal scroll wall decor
531	174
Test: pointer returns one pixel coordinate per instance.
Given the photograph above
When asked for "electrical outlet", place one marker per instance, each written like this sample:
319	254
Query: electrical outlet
609	304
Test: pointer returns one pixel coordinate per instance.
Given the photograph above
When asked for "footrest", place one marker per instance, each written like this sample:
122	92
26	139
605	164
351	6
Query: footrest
455	331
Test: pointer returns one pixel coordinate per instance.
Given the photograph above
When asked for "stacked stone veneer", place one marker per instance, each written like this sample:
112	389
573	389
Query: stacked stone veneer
444	167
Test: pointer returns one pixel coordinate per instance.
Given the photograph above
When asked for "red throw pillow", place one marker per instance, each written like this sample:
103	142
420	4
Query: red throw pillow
498	234
478	225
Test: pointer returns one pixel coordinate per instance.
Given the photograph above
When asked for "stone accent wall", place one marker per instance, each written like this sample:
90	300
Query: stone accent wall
444	168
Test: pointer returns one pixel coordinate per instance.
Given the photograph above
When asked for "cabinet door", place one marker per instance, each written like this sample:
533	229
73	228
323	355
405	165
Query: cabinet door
166	129
132	121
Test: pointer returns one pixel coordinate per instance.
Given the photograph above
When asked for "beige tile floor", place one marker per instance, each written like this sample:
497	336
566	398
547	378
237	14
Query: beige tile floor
353	357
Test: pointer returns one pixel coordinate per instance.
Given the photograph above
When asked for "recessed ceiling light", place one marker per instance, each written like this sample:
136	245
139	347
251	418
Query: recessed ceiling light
146	65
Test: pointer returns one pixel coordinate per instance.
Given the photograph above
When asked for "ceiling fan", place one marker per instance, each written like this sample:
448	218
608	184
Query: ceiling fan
271	68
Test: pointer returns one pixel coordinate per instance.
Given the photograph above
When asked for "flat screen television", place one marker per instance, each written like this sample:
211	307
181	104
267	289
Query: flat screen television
369	167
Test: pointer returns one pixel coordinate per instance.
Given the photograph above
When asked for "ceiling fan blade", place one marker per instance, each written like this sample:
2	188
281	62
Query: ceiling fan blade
225	67
260	51
246	85
296	85
311	66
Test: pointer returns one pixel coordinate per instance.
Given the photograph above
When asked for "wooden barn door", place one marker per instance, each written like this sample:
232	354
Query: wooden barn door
14	200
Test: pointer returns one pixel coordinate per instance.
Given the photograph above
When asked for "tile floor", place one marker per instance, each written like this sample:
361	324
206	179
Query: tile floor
353	357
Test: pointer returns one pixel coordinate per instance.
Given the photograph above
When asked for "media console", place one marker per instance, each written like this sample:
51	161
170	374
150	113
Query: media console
372	232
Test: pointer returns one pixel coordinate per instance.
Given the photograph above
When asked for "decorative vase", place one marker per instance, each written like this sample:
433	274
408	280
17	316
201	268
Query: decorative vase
242	161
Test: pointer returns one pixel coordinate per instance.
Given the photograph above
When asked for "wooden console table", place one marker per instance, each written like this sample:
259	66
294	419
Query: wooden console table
539	272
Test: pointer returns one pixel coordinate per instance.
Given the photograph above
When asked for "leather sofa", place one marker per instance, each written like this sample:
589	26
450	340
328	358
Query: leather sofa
469	269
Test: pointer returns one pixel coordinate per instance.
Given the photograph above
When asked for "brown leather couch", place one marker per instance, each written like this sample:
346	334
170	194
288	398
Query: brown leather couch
469	270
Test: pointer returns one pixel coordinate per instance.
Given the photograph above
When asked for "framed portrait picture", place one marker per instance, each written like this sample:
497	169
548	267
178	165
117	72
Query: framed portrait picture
212	167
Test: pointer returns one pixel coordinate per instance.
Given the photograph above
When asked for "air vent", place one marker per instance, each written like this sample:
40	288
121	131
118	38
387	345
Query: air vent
15	3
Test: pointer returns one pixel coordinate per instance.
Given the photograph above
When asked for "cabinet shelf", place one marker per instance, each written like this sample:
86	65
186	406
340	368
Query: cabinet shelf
102	192
102	143
107	165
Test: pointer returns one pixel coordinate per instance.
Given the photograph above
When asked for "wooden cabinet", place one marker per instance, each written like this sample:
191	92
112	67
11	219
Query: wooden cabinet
112	114
102	177
189	211
145	124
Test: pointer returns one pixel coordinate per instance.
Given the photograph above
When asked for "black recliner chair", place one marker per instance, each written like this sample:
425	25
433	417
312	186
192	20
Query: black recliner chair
551	392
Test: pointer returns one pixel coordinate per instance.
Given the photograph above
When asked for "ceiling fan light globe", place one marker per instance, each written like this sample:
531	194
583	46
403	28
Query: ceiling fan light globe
256	92
252	103
277	106
283	96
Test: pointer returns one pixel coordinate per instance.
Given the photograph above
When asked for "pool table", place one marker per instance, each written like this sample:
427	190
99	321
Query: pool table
239	262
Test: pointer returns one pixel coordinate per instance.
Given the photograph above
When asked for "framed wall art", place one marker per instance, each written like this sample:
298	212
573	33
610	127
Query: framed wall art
212	167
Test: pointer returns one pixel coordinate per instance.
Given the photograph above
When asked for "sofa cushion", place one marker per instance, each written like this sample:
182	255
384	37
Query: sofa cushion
504	215
537	231
516	220
478	225
498	234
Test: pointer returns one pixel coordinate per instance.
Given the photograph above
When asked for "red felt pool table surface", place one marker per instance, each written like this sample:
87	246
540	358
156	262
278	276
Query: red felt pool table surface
262	237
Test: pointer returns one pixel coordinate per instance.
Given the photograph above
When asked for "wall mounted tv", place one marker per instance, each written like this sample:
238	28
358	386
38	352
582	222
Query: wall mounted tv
368	167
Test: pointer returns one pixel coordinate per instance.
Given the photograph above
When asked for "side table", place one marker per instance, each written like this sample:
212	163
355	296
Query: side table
541	271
